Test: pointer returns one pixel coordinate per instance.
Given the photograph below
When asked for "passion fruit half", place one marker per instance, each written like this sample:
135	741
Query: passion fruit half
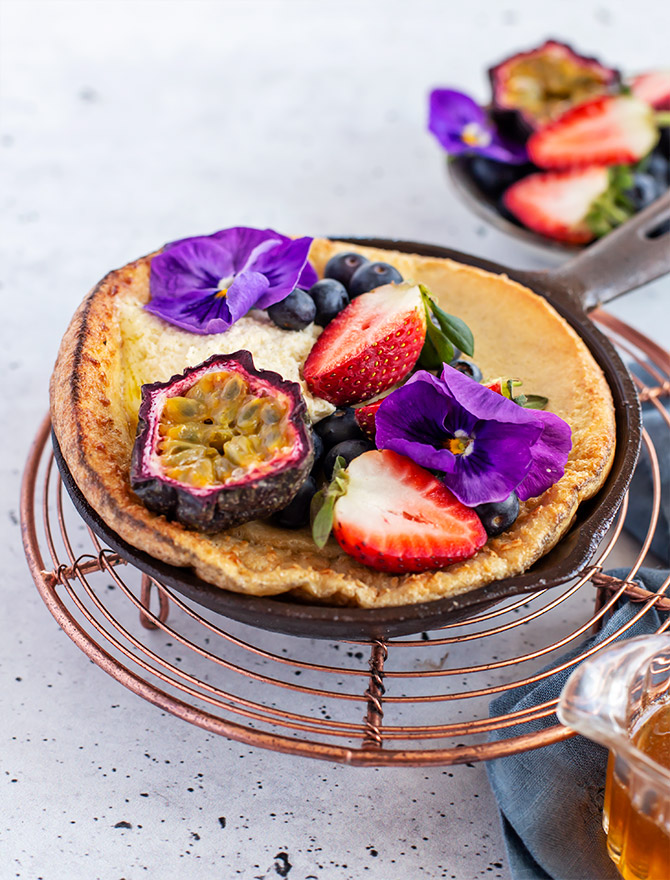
221	444
531	89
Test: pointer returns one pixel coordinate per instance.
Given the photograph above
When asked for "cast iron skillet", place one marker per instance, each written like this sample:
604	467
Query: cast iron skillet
629	257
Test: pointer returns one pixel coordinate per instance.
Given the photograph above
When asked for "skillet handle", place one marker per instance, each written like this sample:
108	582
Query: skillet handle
630	256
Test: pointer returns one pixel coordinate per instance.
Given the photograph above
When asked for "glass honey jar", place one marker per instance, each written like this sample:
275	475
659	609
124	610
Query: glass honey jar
620	698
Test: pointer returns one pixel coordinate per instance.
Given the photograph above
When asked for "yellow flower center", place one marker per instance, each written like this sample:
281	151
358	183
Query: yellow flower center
460	444
223	285
475	136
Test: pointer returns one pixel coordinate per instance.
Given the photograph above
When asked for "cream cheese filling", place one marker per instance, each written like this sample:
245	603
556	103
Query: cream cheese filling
154	351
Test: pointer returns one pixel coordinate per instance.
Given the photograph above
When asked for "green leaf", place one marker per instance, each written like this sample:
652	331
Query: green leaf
453	328
456	330
508	387
621	177
612	207
428	358
443	347
322	509
532	401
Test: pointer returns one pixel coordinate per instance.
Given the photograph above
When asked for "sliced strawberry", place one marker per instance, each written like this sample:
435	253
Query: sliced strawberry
365	417
496	385
653	88
610	130
557	203
396	517
372	344
365	414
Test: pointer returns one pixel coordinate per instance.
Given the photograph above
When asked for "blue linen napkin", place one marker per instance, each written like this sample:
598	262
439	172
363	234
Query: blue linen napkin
637	518
550	799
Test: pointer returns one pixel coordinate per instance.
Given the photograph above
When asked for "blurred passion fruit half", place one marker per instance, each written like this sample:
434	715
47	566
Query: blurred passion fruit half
531	89
221	444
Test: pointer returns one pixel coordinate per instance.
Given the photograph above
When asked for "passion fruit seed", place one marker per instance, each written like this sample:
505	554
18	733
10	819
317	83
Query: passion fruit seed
248	416
183	409
218	429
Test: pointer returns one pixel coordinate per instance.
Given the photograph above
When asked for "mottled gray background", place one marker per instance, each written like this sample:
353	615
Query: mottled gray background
127	124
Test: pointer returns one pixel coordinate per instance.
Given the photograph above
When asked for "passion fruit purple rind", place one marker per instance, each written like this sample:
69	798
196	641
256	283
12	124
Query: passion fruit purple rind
531	89
221	444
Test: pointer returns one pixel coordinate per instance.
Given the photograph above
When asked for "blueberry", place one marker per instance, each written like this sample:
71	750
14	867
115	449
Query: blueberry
296	513
342	266
330	297
372	275
468	369
295	312
493	177
644	191
317	443
498	516
349	450
658	166
339	426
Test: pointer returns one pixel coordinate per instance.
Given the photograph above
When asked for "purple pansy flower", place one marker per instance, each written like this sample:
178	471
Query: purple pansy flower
462	126
485	445
205	284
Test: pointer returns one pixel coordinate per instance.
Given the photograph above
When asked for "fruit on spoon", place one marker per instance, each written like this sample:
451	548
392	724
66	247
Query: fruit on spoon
611	130
572	206
533	88
653	88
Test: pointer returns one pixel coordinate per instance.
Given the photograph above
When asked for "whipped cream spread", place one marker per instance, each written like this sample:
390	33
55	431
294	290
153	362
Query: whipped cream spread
154	351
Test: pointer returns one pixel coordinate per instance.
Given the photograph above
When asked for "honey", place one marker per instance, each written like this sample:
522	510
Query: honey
637	818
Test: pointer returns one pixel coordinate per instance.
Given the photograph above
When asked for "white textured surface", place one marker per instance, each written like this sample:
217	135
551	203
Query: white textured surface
127	124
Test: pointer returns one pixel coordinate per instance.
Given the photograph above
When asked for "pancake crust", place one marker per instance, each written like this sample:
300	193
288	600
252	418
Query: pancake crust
517	333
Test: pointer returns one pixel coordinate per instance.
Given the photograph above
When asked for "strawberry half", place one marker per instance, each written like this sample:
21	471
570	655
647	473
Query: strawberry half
610	130
653	88
365	414
394	516
557	203
365	417
372	344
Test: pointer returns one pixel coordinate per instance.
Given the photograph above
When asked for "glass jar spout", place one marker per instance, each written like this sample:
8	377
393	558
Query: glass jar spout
620	698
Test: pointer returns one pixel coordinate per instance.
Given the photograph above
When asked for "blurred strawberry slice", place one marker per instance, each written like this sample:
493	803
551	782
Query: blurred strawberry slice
610	130
556	204
653	88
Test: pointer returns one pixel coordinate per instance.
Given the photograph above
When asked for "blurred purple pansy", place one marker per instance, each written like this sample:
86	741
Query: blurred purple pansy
484	445
462	126
205	284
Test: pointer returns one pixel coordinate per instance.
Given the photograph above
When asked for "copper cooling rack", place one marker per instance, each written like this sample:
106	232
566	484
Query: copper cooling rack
408	701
